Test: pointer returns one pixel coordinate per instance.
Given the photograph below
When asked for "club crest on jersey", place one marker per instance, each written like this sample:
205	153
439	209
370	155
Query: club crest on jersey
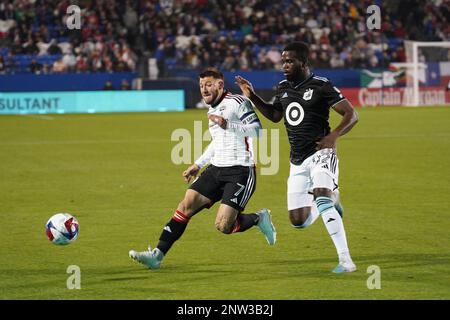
308	94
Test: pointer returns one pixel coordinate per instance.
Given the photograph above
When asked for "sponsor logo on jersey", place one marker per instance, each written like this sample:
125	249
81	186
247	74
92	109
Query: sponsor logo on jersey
308	94
294	113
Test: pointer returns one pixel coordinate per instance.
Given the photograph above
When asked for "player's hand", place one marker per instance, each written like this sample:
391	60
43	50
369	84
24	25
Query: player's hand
221	121
245	85
329	141
190	173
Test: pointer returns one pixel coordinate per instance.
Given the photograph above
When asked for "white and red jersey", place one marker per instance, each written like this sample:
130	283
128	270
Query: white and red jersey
232	146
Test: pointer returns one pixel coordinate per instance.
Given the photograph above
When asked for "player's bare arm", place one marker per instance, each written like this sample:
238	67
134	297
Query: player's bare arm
191	172
265	108
349	119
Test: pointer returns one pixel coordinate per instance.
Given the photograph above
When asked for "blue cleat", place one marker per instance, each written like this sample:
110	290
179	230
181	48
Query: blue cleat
266	226
150	258
342	267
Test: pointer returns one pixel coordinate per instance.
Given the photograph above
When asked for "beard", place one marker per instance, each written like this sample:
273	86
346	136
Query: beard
290	77
297	75
211	98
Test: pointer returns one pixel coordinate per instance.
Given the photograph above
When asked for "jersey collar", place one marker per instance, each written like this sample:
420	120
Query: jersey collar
304	81
215	104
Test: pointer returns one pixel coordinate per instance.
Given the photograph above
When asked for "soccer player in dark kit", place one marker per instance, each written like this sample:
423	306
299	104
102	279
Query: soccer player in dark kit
304	101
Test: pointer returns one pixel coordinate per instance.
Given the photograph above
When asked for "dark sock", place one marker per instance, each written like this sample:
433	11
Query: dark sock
172	231
245	222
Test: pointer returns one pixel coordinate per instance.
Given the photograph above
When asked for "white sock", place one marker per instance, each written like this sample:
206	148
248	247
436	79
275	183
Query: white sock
335	226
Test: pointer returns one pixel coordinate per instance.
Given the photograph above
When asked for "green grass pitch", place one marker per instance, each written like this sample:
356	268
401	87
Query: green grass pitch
114	173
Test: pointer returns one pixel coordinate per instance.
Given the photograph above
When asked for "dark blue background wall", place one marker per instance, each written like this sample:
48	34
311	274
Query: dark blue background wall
62	82
264	80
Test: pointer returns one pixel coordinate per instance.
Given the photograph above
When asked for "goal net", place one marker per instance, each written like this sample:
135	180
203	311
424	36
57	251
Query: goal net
427	73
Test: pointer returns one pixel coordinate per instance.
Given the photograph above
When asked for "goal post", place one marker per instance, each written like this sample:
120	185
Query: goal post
427	63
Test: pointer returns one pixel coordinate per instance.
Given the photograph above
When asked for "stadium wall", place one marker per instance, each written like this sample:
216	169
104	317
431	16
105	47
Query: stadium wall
351	82
265	80
188	85
361	97
91	101
62	82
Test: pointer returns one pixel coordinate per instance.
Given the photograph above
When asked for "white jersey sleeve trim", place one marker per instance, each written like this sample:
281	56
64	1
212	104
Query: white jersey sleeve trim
337	102
321	79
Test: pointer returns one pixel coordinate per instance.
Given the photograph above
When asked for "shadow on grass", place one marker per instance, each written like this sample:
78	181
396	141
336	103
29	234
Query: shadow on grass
206	271
288	267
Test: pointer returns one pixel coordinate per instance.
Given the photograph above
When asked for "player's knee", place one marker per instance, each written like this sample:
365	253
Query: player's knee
223	226
299	226
298	219
298	222
185	206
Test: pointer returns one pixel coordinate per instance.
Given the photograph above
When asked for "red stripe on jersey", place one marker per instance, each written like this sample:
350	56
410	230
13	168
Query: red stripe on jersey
247	148
239	99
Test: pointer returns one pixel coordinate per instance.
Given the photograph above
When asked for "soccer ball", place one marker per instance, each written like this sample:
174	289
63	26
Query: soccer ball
62	229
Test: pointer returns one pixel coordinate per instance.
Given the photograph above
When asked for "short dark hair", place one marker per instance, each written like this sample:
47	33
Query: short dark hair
211	72
301	50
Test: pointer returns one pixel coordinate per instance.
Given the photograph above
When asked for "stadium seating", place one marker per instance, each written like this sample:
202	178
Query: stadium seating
224	26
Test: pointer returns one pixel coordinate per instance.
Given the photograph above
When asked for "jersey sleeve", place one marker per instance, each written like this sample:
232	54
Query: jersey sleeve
331	94
249	124
277	101
206	156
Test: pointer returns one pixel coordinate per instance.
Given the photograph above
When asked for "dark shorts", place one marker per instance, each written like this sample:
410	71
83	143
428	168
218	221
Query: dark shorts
234	185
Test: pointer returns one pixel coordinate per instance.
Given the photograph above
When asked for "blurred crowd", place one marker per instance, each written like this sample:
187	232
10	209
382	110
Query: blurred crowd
34	31
229	34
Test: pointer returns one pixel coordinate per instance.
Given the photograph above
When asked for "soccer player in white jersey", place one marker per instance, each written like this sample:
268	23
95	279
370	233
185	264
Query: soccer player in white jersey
304	101
230	177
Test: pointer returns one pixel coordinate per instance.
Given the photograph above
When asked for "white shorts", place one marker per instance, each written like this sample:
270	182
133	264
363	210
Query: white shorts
321	170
